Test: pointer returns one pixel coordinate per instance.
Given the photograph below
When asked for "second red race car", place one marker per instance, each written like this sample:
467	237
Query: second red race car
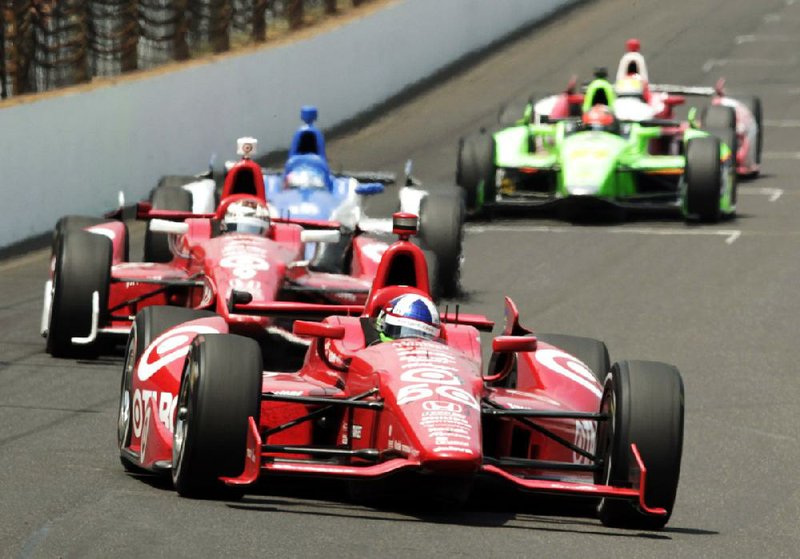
397	392
94	291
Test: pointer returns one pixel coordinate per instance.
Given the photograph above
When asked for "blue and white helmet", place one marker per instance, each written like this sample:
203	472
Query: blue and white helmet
409	316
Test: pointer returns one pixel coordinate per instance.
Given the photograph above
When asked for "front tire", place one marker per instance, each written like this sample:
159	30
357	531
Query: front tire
148	325
156	245
475	170
703	176
442	232
220	390
82	266
645	404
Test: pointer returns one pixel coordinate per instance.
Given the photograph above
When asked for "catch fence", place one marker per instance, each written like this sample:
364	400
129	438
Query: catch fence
48	44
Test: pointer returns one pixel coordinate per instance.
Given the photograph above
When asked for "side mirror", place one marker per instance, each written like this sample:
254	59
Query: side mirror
320	236
166	226
514	344
692	118
318	330
369	188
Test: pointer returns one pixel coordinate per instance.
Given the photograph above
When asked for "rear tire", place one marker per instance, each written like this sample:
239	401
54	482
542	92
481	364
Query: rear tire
753	105
703	176
475	170
220	390
148	325
644	400
156	245
720	121
442	232
82	266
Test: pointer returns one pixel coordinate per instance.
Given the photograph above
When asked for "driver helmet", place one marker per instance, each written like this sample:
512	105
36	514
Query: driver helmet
247	216
305	176
630	86
598	117
408	316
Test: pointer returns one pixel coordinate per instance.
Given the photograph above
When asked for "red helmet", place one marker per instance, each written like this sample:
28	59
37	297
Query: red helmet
599	116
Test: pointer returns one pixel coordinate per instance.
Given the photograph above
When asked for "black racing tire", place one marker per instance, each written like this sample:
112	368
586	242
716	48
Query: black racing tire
593	353
441	231
156	245
753	104
475	170
82	266
72	223
720	121
220	390
149	323
645	404
703	176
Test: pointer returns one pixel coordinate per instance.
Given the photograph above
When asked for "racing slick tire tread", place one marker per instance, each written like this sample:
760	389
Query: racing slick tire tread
476	165
703	175
156	245
82	266
720	121
148	325
441	231
753	104
225	392
645	400
593	353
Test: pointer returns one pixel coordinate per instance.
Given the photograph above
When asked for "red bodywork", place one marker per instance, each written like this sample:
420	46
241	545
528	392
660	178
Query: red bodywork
411	405
207	266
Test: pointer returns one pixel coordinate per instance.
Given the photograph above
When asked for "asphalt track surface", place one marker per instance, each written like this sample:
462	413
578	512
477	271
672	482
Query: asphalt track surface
720	302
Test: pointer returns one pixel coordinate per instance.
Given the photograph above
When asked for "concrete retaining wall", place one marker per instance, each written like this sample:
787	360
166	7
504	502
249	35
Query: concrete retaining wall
72	153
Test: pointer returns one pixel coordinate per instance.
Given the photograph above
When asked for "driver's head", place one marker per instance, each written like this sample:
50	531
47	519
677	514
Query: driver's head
598	117
249	216
408	316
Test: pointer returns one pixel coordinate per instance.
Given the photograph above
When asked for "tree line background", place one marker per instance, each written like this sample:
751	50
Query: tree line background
47	44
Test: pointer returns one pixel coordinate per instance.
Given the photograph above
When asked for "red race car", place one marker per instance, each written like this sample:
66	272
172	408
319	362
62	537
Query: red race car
94	291
398	392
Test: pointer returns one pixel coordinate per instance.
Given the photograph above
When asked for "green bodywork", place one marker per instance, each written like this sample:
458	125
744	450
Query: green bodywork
598	164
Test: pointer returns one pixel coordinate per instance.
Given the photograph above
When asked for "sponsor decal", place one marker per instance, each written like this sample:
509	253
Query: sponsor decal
430	372
168	347
165	403
585	439
244	258
570	367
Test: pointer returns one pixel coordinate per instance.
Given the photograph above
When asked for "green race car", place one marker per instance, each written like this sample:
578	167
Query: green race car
595	161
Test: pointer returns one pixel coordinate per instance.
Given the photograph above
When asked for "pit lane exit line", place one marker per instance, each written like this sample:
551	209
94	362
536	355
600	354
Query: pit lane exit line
730	235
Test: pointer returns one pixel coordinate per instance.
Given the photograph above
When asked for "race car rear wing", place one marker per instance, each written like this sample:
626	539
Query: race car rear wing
240	302
361	176
145	211
683	89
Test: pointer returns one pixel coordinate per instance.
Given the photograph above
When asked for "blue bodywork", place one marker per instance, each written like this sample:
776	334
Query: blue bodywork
306	189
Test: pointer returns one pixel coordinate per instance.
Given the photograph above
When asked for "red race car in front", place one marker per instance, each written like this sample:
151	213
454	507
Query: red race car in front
398	392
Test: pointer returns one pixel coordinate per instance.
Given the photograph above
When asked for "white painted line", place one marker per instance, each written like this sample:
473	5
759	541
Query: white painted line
731	235
781	155
780	18
772	193
713	62
742	39
783	123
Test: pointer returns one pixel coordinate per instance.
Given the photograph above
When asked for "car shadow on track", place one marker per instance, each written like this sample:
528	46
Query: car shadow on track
488	507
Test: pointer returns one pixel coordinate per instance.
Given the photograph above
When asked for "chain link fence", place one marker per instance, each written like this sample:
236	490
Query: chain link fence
48	44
